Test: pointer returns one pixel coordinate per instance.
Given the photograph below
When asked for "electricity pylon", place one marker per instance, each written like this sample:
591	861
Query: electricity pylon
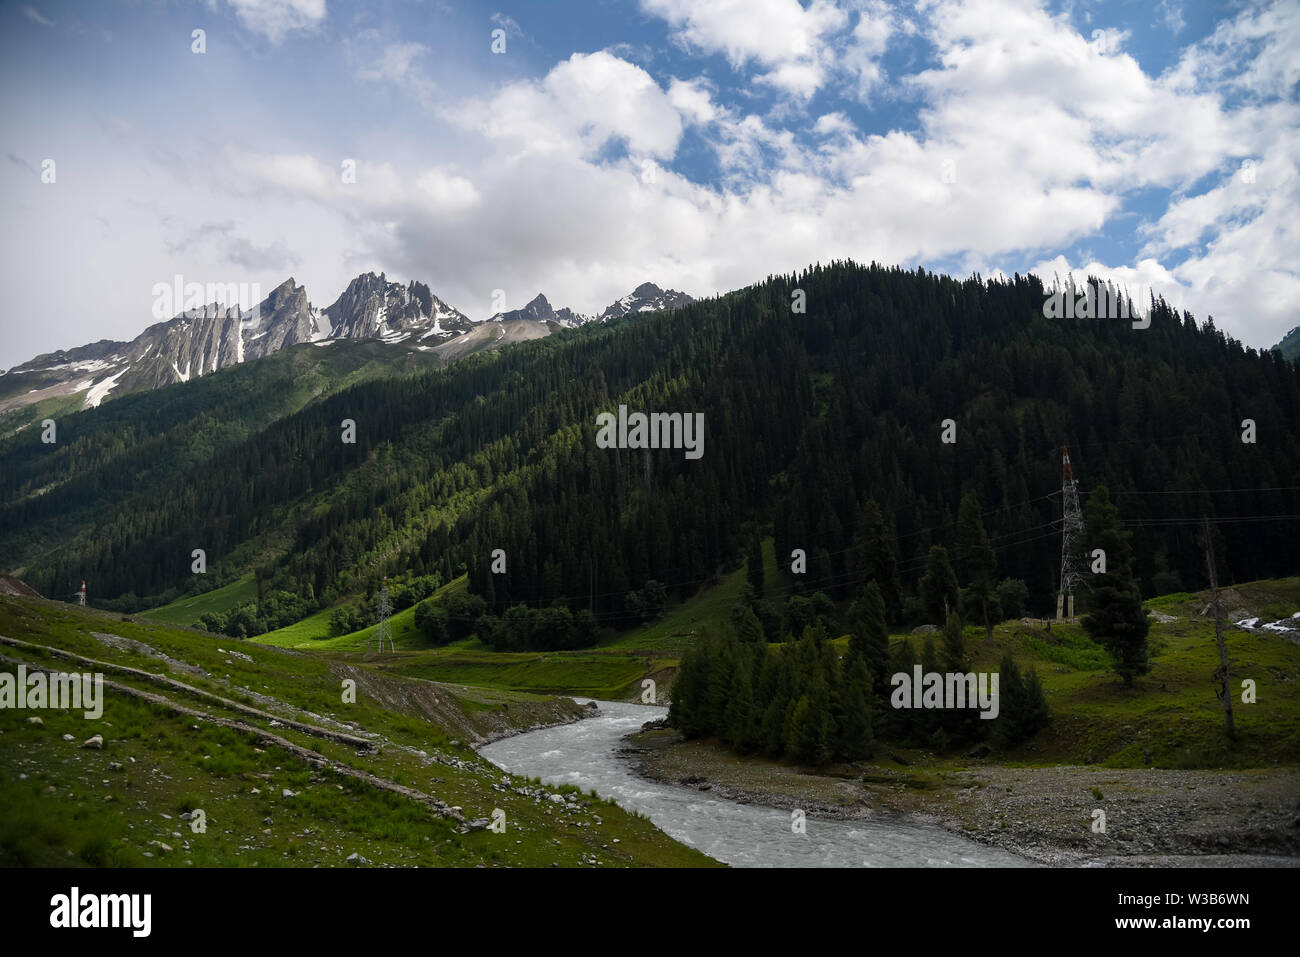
383	630
1071	535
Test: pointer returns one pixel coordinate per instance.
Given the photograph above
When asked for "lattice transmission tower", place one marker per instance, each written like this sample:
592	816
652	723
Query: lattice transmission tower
383	629
1071	536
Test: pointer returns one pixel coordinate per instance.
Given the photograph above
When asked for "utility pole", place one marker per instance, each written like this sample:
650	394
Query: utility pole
383	630
1071	533
1221	674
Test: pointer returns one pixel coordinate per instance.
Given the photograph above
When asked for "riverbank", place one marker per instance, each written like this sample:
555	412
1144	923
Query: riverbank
1046	814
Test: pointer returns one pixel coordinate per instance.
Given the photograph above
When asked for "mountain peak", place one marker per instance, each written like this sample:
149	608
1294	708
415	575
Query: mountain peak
646	297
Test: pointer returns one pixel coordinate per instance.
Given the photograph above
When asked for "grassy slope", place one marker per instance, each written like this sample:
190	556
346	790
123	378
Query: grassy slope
313	632
66	805
1171	718
188	610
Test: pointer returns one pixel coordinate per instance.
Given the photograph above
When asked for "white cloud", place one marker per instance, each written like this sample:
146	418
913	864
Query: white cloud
275	18
1031	137
446	190
1028	138
693	100
31	13
781	35
580	106
396	64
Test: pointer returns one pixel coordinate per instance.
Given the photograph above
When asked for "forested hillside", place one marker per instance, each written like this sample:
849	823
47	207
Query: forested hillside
808	417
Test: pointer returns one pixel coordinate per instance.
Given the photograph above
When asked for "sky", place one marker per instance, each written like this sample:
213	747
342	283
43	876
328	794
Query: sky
497	150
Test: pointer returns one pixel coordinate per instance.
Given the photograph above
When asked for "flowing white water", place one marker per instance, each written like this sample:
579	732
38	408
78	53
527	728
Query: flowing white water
744	835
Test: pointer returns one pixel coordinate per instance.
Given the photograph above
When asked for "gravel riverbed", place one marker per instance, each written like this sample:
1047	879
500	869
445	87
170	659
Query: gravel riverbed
1153	816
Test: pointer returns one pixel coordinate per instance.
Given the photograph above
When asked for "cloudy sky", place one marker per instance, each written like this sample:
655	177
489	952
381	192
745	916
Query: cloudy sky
700	144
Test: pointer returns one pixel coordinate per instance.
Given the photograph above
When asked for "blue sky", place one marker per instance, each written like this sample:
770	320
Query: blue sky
700	145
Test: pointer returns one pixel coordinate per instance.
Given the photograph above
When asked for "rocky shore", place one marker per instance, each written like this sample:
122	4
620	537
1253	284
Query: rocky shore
1049	815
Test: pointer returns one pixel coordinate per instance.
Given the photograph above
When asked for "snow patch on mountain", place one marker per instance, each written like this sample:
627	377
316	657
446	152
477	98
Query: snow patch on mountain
101	389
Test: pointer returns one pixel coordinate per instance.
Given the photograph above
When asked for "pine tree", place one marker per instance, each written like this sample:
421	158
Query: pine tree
739	731
683	709
813	730
954	645
754	566
876	557
1036	714
869	638
1011	699
1022	705
855	728
902	656
1116	618
937	588
978	560
750	630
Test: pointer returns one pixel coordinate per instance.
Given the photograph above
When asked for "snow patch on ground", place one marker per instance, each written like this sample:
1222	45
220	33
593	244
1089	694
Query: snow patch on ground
85	365
437	329
321	327
101	389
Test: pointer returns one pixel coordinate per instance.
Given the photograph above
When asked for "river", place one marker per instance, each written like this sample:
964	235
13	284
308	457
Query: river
744	835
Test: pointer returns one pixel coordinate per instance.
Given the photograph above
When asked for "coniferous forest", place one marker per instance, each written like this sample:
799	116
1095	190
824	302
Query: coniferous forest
824	430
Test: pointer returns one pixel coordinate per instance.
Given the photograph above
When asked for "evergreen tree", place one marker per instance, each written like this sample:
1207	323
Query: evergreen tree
740	730
754	566
954	645
1116	618
750	630
876	557
855	728
937	588
1011	700
978	560
869	638
1022	706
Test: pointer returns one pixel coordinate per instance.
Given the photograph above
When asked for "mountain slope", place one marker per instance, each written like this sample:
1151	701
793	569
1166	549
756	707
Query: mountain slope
286	774
200	341
1289	347
807	416
646	297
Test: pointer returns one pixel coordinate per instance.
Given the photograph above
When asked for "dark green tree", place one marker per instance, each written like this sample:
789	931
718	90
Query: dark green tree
937	588
754	565
978	560
1116	618
875	556
869	638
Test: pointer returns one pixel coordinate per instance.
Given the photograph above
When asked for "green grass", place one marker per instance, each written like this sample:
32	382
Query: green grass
589	674
710	606
188	610
1171	718
65	805
313	632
